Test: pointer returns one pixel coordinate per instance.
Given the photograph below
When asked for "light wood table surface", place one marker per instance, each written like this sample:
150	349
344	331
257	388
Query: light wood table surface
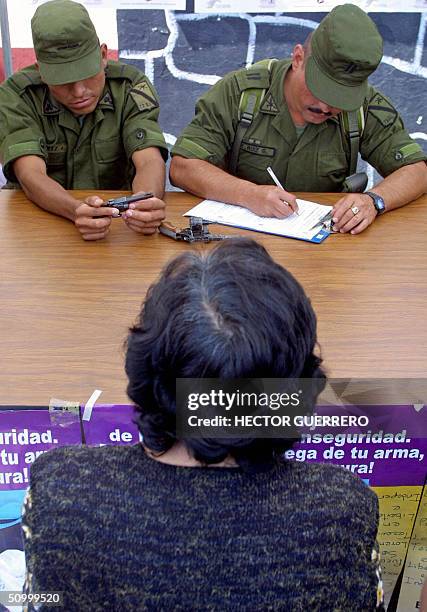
66	304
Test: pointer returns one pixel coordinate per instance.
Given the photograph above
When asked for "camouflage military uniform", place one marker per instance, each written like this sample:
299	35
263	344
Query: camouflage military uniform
317	161
91	152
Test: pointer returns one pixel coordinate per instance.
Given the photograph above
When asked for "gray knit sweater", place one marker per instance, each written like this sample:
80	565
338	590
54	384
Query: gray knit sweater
116	530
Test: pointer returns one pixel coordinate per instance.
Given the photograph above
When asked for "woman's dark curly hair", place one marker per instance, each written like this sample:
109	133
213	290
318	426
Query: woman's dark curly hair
229	313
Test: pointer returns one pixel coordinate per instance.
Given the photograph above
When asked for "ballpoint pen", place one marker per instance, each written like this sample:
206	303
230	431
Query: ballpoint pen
278	183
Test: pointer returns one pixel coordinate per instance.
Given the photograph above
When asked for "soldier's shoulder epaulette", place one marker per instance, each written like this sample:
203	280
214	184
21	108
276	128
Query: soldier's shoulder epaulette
28	77
256	76
119	70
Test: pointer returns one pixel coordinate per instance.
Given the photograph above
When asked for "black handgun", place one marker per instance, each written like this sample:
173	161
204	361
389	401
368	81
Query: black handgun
122	203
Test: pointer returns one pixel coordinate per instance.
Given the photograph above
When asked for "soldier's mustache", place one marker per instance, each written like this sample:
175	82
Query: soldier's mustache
314	109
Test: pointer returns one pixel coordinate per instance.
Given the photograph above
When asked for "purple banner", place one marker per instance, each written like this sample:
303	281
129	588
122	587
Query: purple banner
26	434
387	452
390	451
111	425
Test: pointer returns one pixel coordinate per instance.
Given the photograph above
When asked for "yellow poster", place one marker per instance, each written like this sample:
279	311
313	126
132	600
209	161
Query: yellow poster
398	509
415	573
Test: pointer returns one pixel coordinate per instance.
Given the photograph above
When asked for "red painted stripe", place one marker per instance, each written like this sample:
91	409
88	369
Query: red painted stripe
25	57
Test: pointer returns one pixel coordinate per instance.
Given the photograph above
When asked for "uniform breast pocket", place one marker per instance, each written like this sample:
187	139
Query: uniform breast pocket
108	151
112	166
332	164
254	160
56	154
332	168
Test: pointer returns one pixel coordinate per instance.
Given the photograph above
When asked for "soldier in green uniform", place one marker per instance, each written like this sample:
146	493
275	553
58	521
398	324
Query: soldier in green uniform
297	116
75	120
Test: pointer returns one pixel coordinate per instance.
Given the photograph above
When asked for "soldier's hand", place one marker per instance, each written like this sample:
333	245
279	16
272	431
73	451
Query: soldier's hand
353	213
145	216
89	219
271	201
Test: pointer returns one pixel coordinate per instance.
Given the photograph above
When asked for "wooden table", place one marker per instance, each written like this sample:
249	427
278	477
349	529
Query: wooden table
66	304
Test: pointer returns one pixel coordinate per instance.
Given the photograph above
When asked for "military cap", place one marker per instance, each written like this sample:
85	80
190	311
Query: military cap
346	48
65	42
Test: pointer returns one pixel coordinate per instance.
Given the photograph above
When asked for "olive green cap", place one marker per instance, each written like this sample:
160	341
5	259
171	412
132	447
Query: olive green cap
346	48
65	41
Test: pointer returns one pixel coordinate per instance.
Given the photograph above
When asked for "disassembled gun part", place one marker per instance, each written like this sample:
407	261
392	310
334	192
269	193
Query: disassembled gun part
197	232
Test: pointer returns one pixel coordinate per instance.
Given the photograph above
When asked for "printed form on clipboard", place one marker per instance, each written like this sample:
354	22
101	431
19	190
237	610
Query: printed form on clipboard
307	225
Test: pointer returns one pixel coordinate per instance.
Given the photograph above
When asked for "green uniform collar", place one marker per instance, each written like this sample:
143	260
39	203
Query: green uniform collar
274	103
273	100
282	122
51	107
106	99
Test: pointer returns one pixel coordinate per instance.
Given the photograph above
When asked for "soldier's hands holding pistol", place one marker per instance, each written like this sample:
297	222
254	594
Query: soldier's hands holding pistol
145	214
142	212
